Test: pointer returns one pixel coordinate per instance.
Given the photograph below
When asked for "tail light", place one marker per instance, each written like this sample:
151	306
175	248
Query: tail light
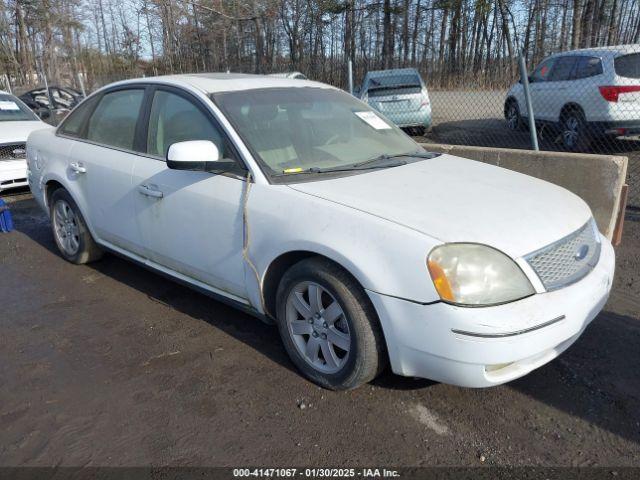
611	93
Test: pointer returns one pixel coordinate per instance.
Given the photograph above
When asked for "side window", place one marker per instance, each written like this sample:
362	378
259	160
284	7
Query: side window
588	67
114	120
628	66
75	121
174	119
562	69
541	73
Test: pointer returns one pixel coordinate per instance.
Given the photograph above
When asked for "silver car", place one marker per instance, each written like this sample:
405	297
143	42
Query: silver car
400	95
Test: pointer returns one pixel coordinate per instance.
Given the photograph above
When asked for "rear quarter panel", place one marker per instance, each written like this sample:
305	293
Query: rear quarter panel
47	159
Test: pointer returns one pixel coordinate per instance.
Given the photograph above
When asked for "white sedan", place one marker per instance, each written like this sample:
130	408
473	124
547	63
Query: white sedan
17	121
300	204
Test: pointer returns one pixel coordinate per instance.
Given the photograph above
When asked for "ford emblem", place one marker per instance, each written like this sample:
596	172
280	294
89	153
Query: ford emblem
581	253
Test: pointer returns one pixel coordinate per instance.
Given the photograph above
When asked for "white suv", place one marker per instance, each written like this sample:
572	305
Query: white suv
583	93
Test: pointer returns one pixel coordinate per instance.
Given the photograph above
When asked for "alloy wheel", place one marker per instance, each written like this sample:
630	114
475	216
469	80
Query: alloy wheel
318	327
571	131
66	228
512	117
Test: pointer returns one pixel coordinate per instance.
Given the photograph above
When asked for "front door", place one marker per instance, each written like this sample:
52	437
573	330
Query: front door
539	87
190	222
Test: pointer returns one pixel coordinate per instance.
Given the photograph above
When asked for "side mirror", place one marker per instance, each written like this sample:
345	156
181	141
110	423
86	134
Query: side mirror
198	156
44	113
356	92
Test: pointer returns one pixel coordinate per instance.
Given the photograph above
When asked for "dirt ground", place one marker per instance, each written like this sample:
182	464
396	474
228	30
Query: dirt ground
110	364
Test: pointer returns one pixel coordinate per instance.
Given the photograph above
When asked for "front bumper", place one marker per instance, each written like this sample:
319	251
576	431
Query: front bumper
421	341
13	174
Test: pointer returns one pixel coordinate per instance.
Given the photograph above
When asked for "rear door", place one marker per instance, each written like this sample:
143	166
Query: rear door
584	91
101	163
559	89
190	222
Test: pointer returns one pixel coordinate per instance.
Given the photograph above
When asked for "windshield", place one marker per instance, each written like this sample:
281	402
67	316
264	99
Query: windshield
13	110
294	129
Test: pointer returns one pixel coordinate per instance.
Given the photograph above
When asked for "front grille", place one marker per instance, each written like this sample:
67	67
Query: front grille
13	151
567	260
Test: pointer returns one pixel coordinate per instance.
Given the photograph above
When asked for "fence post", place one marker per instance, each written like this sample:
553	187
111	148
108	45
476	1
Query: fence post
8	83
84	93
350	77
524	78
46	86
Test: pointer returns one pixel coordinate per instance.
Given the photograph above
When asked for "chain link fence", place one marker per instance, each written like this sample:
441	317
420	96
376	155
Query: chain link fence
582	101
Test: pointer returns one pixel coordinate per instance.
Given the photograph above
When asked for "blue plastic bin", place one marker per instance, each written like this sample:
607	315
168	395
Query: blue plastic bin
6	222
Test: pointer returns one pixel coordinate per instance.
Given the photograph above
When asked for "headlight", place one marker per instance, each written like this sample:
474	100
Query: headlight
473	275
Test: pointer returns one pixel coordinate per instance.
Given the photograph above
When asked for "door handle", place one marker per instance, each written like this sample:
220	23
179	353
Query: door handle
78	167
149	192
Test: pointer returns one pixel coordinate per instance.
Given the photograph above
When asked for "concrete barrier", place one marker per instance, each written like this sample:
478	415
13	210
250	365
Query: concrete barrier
597	179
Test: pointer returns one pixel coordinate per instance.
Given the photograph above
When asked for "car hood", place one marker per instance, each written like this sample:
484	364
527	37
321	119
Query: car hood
454	199
19	131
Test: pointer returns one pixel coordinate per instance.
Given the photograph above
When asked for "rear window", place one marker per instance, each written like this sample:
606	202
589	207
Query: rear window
628	65
395	80
114	120
75	121
381	92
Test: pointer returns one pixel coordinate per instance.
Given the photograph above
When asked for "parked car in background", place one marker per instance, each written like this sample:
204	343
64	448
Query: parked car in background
584	94
400	95
53	105
17	121
295	75
300	204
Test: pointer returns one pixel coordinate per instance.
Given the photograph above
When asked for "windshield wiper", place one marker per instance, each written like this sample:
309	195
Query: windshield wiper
384	156
349	168
381	161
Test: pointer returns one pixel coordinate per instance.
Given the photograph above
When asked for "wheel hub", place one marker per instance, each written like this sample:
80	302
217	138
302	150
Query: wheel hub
320	326
317	326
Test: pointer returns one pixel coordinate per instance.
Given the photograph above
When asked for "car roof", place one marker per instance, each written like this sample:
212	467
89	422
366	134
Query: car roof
226	82
613	50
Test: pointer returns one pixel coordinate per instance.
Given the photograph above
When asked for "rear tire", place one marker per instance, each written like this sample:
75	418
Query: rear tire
419	131
573	131
329	326
70	232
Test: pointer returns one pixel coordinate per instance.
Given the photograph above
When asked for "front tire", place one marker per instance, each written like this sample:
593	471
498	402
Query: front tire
512	116
70	232
329	326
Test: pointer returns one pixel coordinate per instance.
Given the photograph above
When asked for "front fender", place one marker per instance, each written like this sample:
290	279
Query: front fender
383	256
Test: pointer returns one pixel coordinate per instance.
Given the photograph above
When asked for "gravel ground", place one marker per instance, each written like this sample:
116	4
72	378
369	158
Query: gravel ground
110	364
